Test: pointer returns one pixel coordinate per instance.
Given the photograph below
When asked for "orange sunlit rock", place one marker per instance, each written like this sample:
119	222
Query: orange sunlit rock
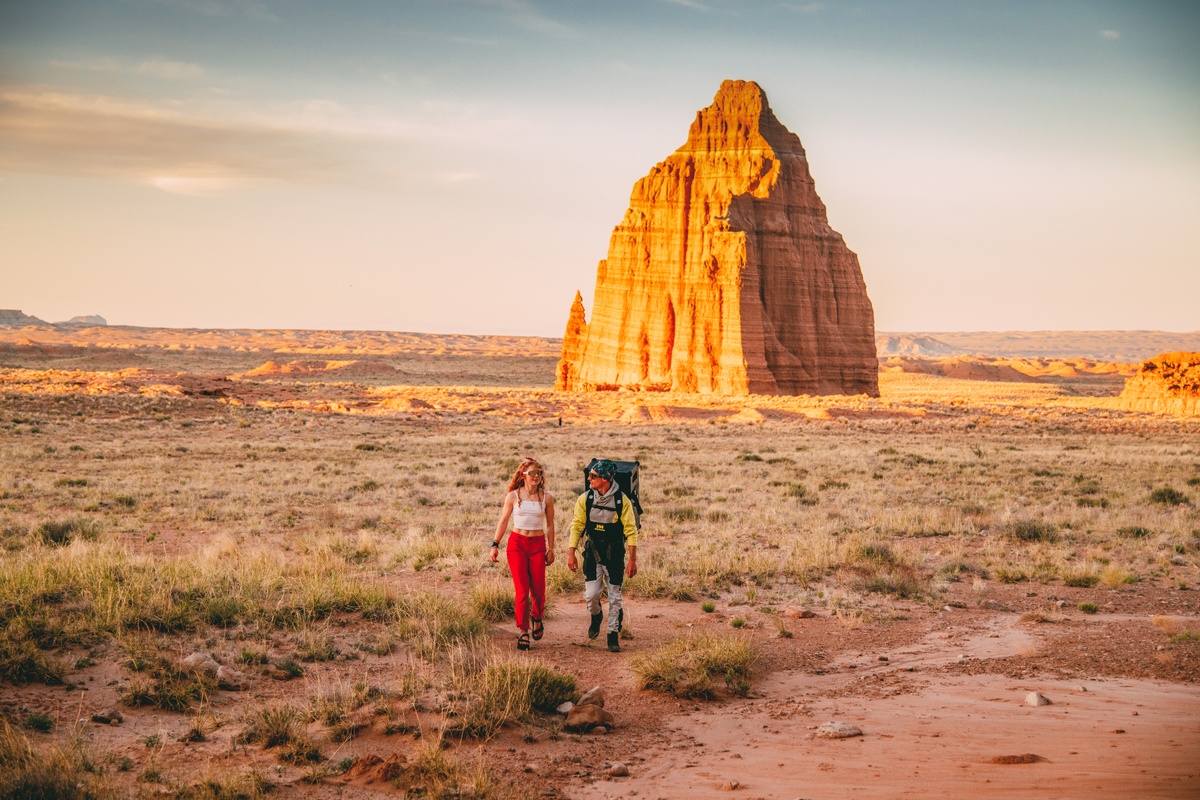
1167	384
724	275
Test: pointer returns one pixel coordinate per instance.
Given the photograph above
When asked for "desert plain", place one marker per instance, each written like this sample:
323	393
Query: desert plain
266	552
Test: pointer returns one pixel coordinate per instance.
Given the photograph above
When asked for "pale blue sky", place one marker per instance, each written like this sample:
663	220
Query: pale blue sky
458	165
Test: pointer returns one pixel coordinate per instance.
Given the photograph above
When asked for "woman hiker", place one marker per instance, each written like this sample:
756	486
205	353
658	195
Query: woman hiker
531	546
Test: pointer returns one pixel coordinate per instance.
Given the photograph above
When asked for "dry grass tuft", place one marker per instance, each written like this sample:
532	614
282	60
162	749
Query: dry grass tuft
697	666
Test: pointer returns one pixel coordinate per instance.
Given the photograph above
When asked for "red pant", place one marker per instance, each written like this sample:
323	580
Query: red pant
527	562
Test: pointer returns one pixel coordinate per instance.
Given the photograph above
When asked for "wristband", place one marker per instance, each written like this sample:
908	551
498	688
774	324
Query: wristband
495	544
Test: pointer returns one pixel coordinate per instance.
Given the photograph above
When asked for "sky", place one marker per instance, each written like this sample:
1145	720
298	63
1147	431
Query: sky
457	166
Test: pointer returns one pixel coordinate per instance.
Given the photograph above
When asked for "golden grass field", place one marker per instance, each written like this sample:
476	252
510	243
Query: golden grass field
322	530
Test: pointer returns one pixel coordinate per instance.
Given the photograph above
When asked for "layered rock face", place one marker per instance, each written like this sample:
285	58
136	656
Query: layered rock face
724	275
1166	384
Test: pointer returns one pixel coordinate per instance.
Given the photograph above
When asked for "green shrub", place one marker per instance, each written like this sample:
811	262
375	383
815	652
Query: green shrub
368	447
22	662
1029	530
36	721
170	688
1089	608
708	608
1133	532
63	532
682	514
1168	496
694	667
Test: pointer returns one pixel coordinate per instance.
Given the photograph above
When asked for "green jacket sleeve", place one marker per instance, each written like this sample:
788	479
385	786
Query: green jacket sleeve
578	521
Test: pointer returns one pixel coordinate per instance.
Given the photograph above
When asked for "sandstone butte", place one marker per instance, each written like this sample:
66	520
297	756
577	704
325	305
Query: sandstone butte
1166	384
724	276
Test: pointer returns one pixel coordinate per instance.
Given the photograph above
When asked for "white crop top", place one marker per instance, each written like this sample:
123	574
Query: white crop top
527	515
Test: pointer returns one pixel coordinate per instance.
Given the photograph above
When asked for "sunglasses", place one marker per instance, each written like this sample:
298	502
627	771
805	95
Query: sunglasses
532	472
592	475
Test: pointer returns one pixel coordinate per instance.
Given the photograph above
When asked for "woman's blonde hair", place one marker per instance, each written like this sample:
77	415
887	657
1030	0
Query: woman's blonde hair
518	478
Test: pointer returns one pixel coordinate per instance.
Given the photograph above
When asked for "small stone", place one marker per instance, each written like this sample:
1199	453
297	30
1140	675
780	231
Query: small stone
1119	730
600	730
593	696
1060	604
565	708
230	679
838	730
947	608
1037	699
791	612
618	770
583	718
202	662
109	716
731	785
1134	714
883	658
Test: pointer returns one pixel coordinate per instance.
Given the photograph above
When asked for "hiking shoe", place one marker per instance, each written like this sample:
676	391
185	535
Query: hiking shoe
614	644
594	628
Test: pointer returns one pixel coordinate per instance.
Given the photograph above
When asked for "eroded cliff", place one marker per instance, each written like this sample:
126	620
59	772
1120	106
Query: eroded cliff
724	275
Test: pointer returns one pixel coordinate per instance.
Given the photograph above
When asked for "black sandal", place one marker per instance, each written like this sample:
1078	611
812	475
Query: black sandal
523	641
538	629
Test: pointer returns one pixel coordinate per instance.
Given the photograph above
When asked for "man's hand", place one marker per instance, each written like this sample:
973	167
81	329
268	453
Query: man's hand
572	562
631	568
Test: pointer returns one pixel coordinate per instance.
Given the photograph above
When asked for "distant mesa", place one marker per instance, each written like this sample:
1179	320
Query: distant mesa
12	318
85	321
1166	384
892	344
724	275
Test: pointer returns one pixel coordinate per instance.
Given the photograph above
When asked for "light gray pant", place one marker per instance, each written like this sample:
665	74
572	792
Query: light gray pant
591	594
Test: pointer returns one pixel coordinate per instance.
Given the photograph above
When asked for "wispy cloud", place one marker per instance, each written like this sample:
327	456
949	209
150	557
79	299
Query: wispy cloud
157	67
806	8
318	142
1110	35
63	134
688	4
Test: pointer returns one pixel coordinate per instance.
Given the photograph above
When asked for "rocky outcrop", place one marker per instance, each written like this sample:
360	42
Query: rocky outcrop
1166	384
13	318
724	275
86	321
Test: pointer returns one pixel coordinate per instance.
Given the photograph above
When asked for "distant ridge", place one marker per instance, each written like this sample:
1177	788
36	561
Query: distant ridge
1121	346
14	318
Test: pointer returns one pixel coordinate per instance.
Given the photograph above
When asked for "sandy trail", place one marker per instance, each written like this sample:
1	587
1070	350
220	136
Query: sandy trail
938	741
930	733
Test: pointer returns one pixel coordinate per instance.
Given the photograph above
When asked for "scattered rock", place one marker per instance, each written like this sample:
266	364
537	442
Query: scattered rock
109	716
791	612
618	770
593	696
231	680
371	768
582	718
1119	730
992	605
883	658
730	786
202	662
1024	758
600	730
1037	699
1166	384
565	708
838	730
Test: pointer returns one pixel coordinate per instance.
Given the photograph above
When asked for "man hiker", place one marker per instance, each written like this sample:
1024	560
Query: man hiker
605	515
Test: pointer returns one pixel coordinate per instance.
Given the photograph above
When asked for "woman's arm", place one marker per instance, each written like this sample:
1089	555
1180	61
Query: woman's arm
549	529
502	525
